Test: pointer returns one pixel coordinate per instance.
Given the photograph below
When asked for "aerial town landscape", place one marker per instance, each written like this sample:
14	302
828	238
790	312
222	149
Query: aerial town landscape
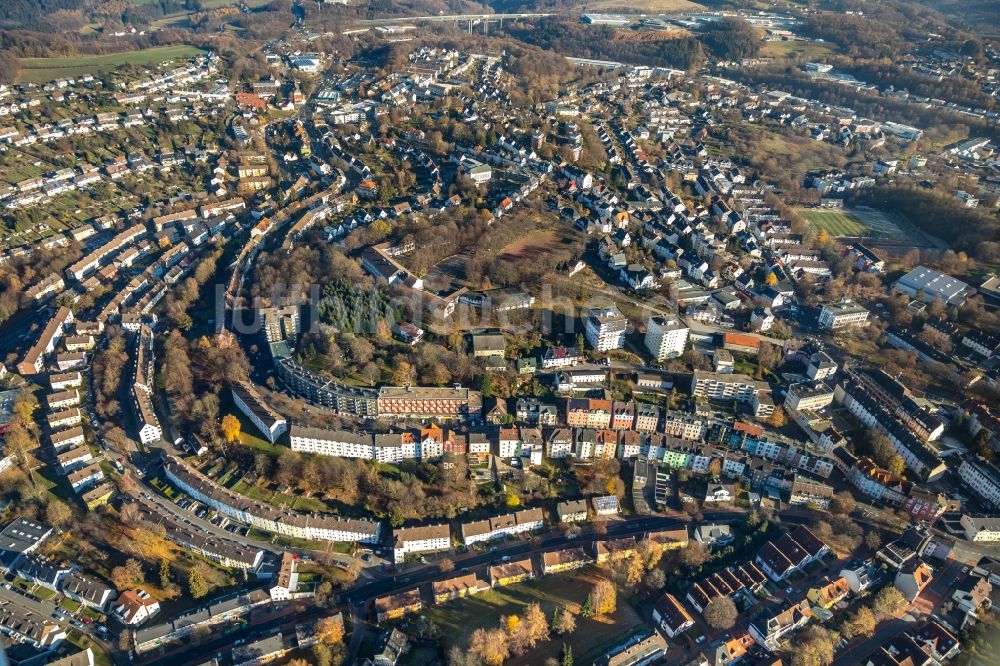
529	332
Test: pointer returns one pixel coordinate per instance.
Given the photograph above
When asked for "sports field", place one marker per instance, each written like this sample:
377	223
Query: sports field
852	222
43	70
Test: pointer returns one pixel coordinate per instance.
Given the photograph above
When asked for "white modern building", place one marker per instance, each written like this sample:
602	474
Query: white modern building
338	443
297	524
605	328
252	405
981	528
981	478
845	314
666	337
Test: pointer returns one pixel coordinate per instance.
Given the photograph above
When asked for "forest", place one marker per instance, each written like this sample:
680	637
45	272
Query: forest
356	310
573	39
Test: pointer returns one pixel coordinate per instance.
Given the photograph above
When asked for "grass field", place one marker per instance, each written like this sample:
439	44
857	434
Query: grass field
43	70
852	222
796	49
591	639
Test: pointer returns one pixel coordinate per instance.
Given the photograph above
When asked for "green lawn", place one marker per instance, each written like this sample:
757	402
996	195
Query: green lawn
78	639
851	223
42	70
458	619
796	49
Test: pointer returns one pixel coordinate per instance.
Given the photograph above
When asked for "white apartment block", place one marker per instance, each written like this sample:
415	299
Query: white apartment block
259	412
338	443
981	529
317	527
605	328
666	337
982	478
426	539
808	396
512	524
842	315
725	386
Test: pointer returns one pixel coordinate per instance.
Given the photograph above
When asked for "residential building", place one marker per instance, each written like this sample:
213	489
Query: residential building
808	491
735	581
561	357
87	591
511	573
638	651
770	628
485	345
790	552
727	386
21	537
605	328
666	337
249	401
280	323
670	616
937	641
511	524
565	559
606	505
982	529
392	645
972	593
808	396
572	511
395	606
713	534
982	478
339	443
321	527
821	366
134	607
421	539
912	579
286	578
860	576
34	358
458	586
24	627
827	596
263	650
587	413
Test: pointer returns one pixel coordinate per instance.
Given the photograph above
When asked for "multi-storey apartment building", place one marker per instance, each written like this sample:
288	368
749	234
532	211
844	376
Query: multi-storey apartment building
269	422
266	517
511	524
666	337
338	443
605	328
586	413
982	478
423	539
